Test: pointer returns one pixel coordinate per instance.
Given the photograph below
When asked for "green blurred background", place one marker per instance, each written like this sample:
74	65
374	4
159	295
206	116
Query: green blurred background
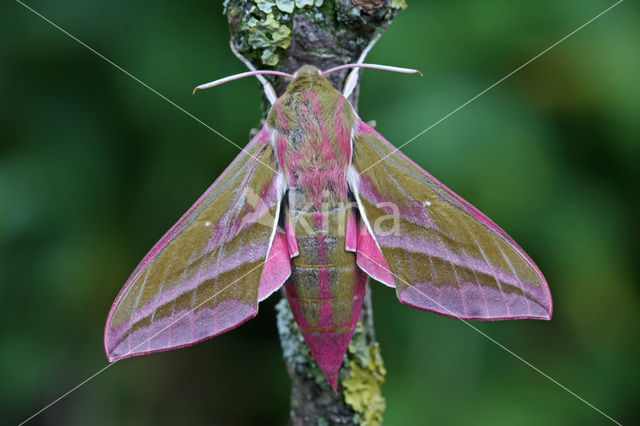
94	168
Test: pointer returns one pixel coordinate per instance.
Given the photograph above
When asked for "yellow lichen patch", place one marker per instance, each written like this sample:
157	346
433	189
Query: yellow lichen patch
268	34
363	385
399	4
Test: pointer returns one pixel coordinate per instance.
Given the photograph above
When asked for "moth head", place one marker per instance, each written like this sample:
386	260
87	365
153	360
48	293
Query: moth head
308	77
307	71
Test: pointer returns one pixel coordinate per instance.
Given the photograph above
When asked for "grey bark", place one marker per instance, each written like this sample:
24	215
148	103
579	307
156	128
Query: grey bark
284	35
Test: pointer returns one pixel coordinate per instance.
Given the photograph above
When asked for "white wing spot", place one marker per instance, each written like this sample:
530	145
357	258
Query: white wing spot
426	203
207	223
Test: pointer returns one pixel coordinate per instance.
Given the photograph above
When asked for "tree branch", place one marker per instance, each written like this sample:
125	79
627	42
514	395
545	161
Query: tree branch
284	35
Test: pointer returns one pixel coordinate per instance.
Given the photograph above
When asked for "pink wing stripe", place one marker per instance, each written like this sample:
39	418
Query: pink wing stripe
449	300
247	255
370	259
277	269
439	250
183	328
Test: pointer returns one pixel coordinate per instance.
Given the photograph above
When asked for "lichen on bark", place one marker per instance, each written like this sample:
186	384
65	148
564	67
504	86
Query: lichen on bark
283	35
286	34
363	383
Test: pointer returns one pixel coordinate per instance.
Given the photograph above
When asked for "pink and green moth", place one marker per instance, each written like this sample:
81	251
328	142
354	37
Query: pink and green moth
317	202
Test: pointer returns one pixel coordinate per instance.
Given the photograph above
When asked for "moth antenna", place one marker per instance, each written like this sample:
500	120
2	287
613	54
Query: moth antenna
269	91
371	66
243	75
352	80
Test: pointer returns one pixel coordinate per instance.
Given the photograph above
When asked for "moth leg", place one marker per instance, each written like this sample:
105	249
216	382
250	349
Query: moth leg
269	91
352	80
